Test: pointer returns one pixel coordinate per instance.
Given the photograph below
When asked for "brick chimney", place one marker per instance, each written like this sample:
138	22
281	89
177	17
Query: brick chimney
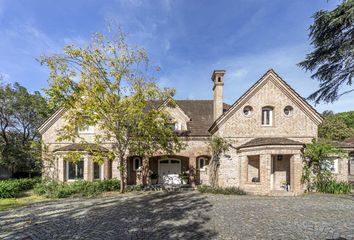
218	79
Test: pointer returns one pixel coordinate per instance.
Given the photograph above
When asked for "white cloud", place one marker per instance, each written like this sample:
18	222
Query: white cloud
244	70
4	77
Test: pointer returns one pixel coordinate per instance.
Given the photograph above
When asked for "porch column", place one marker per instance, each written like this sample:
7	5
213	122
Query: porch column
295	173
192	171
88	168
265	172
106	167
115	170
243	169
61	169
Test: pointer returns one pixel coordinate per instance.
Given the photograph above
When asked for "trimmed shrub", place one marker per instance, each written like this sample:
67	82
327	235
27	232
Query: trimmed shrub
53	189
220	190
13	188
134	188
332	186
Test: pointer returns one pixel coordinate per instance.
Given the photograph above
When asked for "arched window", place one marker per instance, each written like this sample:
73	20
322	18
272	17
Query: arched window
267	116
136	163
201	163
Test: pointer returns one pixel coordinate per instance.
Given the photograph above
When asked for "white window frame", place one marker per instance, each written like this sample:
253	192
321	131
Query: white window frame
199	160
178	126
86	130
264	116
67	171
140	163
335	166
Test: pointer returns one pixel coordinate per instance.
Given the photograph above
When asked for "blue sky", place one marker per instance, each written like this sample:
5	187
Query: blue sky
187	39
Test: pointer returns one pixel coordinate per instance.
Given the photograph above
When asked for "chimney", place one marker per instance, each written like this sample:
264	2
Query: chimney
218	79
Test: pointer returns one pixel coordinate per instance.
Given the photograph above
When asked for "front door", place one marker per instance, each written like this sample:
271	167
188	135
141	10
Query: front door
169	170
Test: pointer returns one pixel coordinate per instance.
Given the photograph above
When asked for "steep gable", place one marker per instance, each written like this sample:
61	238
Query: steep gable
270	80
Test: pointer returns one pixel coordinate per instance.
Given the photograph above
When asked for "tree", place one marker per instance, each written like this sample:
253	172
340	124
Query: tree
334	128
20	114
348	118
107	84
332	60
217	146
317	160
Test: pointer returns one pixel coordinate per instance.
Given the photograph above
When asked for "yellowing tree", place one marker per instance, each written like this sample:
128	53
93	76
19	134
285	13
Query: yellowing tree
107	84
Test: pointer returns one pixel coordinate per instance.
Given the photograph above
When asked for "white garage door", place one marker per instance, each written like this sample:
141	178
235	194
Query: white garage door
169	170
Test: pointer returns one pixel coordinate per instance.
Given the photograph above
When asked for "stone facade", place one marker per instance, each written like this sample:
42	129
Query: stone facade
270	109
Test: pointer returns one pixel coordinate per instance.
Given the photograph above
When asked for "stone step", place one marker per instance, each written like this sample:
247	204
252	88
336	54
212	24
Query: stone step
169	188
280	193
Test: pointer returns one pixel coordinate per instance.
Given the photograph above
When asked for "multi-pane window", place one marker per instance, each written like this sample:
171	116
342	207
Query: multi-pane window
267	116
201	163
96	171
75	170
136	163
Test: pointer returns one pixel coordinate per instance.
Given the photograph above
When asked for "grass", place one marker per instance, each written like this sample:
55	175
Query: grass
25	199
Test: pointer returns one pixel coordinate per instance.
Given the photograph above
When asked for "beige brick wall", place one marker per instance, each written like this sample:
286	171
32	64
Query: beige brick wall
297	126
343	170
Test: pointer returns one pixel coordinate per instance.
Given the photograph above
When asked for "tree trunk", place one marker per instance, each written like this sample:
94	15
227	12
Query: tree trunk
122	174
213	173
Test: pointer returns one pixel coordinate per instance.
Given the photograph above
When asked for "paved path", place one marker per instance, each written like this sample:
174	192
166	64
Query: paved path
183	216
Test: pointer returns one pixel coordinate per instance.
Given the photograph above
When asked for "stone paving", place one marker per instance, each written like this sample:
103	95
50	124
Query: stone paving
183	215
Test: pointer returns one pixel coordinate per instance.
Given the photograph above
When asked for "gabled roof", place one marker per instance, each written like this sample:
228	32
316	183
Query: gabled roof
270	75
177	107
51	120
269	141
199	113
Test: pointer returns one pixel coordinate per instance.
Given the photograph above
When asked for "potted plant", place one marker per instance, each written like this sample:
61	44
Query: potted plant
285	185
154	176
184	176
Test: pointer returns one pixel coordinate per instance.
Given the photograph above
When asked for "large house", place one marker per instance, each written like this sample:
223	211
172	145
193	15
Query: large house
267	128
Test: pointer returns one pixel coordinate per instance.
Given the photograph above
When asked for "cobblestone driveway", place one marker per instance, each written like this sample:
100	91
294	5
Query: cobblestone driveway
184	216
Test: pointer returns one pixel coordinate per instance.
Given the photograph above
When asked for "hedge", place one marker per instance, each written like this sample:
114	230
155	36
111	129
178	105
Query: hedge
14	187
53	189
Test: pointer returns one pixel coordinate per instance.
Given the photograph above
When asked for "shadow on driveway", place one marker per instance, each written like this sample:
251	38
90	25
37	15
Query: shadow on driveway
148	216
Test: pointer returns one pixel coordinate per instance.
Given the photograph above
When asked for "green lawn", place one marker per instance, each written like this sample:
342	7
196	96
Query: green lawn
27	198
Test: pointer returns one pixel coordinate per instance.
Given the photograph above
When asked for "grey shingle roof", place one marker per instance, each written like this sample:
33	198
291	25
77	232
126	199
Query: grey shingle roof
347	143
81	147
269	141
199	111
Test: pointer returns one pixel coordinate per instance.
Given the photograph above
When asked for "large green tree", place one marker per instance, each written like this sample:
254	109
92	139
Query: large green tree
332	58
334	127
348	118
107	84
20	114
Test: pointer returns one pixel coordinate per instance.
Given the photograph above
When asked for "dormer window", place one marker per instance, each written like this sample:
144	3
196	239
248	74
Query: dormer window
178	126
175	126
86	130
267	116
